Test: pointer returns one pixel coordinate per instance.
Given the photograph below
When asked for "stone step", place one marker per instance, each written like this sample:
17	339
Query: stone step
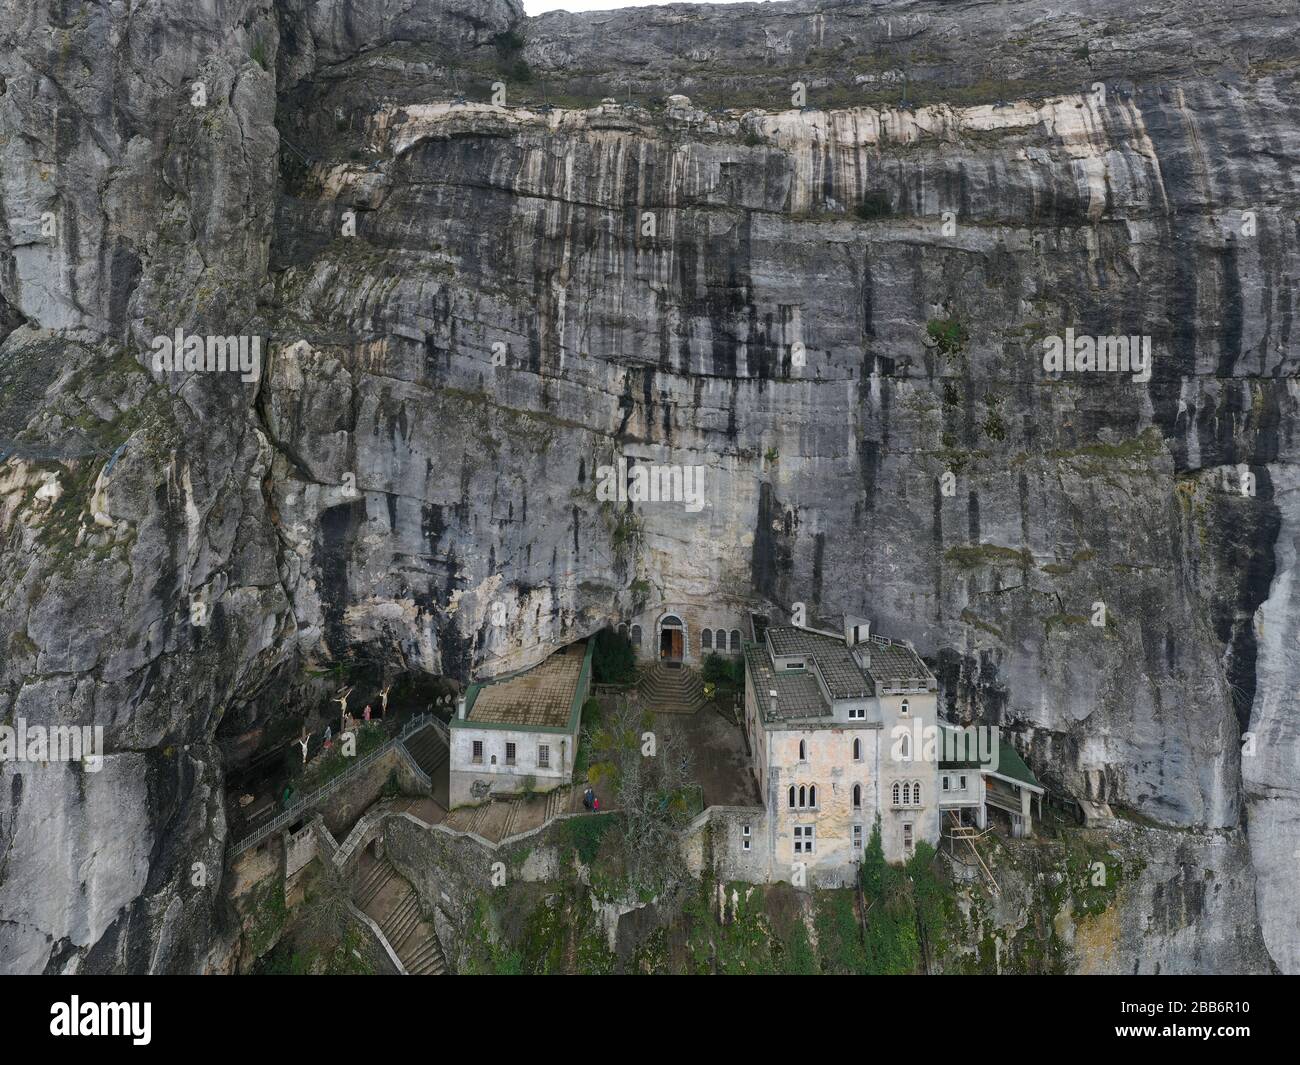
426	959
402	921
373	884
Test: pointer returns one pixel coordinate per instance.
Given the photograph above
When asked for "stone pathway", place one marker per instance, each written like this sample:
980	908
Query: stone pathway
390	901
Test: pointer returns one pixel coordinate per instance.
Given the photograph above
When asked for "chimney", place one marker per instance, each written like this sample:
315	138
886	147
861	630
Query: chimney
856	630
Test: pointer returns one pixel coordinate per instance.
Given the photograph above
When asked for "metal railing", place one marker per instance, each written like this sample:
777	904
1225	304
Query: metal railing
295	810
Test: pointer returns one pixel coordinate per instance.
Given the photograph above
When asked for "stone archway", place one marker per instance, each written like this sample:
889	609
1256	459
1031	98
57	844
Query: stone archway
672	640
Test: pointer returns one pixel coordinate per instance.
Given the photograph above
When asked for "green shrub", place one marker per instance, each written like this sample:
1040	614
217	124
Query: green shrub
948	335
725	673
613	661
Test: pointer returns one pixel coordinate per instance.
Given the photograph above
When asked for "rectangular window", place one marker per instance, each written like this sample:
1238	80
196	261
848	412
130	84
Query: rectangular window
945	783
477	755
543	756
803	839
857	837
907	836
963	782
744	837
510	754
857	713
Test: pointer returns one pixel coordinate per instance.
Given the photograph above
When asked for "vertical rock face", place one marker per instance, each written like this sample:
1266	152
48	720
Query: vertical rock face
838	311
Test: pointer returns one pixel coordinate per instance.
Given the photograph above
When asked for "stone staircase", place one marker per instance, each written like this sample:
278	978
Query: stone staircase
557	802
671	690
389	900
429	751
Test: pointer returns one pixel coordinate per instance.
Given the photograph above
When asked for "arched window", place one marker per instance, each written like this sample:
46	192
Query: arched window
857	750
903	709
803	796
735	639
857	796
905	748
803	751
706	639
896	790
791	796
812	796
636	636
916	793
907	793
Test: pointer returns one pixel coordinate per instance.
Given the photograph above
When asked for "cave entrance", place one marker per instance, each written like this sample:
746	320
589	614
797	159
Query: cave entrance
672	641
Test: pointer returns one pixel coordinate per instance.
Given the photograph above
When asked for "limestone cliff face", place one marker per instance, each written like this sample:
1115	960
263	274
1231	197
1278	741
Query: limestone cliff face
469	308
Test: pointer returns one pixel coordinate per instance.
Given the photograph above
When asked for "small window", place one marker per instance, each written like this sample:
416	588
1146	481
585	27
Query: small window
857	713
907	793
903	709
510	754
945	783
857	796
812	796
857	750
477	752
916	793
896	793
905	748
706	639
543	756
962	782
791	796
857	837
735	639
907	836
803	751
745	837
804	839
803	796
636	636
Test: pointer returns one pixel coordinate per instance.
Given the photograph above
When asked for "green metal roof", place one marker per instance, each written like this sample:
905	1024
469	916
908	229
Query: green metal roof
1011	765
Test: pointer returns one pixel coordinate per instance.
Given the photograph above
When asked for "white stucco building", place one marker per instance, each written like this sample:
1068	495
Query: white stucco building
520	732
835	722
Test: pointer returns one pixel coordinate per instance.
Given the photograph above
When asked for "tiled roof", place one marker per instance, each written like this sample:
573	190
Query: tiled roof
798	695
896	665
541	697
843	676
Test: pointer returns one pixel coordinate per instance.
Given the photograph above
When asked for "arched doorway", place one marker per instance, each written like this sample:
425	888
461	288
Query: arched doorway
672	640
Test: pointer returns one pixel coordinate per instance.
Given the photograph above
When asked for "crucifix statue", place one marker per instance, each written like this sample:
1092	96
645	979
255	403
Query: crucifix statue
342	700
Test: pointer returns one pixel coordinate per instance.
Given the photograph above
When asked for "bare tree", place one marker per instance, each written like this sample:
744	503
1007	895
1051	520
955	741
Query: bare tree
651	776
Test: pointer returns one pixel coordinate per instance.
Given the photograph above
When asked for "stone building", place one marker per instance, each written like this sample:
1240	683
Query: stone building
520	732
685	634
836	723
